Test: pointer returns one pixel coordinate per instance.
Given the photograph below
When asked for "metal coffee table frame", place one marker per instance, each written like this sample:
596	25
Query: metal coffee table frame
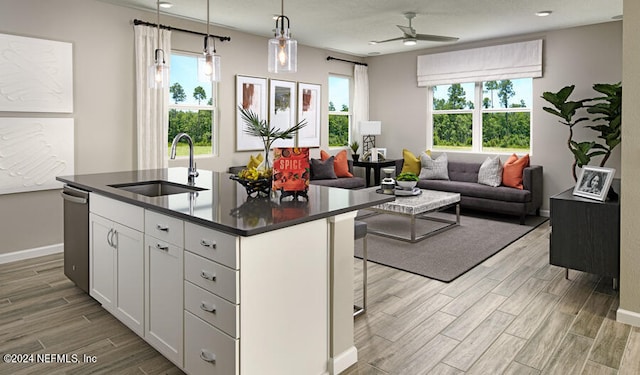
422	216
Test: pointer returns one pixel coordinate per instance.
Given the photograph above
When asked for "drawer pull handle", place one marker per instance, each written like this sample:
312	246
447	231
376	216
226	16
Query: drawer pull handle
162	228
206	355
208	275
206	243
161	247
208	307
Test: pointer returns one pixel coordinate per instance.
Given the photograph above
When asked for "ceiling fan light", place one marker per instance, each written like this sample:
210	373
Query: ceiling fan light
409	41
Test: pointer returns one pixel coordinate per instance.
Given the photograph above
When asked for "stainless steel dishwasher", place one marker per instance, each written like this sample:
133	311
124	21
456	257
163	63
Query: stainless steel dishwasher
76	236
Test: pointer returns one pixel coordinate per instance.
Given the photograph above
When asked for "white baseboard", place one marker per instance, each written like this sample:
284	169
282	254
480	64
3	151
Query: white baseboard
628	317
343	360
31	253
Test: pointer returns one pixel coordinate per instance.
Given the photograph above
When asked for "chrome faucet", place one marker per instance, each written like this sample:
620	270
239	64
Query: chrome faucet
193	173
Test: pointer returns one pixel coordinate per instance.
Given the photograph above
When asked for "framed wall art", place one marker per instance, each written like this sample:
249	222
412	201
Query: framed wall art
594	182
309	109
36	75
251	93
282	108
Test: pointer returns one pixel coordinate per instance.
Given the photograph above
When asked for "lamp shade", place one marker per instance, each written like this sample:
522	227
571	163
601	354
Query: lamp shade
370	127
283	53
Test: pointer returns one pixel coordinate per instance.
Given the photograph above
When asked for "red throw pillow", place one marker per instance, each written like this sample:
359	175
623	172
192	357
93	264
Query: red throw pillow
513	169
340	165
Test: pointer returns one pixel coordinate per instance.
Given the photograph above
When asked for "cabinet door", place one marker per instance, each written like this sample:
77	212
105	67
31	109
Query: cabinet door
102	260
164	298
130	277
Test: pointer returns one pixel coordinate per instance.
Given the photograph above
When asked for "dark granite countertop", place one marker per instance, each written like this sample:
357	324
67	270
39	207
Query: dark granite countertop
224	204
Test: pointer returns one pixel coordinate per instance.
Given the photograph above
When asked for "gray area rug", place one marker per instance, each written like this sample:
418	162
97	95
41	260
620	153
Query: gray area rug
447	255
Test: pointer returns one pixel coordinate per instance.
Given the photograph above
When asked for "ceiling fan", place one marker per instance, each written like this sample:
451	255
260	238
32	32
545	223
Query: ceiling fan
410	36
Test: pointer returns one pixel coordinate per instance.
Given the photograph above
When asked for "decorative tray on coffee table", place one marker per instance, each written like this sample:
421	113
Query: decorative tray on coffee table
407	192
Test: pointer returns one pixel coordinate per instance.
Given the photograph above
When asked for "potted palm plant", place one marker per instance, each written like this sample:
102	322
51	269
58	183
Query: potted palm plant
354	148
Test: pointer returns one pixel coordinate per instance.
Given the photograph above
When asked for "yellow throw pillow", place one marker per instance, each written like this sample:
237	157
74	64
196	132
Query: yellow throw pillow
411	162
255	161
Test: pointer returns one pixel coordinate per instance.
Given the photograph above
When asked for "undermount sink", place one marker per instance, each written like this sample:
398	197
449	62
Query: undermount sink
156	188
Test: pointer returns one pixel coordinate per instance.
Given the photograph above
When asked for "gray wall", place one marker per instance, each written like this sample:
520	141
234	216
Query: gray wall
104	96
581	56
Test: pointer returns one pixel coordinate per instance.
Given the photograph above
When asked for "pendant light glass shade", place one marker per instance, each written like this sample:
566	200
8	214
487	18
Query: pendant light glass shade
158	73
283	53
209	65
282	50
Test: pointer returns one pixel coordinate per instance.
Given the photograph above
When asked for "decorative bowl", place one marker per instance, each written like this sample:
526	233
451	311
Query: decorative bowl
259	187
408	185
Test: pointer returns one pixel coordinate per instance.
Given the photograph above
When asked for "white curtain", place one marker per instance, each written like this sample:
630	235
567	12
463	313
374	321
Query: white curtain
360	100
152	112
506	61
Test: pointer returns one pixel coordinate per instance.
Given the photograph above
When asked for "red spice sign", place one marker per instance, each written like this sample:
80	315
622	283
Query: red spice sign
291	169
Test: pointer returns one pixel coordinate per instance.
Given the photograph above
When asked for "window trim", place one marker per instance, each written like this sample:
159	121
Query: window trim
215	131
348	113
476	112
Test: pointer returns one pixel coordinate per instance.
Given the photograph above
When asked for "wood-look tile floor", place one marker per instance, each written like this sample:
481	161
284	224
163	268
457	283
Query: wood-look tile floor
513	314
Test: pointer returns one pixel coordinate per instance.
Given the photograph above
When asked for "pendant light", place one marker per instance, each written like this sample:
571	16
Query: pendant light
283	51
211	62
158	73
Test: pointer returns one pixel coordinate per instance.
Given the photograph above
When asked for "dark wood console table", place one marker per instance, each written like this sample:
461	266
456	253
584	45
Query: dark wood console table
376	166
585	234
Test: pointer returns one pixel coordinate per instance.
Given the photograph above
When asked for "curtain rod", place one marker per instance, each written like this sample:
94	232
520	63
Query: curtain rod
140	22
329	58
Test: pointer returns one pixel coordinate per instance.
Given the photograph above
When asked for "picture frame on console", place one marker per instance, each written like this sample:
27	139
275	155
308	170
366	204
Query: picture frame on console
594	182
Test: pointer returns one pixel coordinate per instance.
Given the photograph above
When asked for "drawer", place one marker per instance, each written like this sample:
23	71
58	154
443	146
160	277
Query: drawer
212	309
211	244
211	276
208	350
120	212
163	227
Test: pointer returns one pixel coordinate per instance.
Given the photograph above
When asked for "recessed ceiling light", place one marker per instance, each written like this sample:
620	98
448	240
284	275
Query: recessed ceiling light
543	13
372	42
165	4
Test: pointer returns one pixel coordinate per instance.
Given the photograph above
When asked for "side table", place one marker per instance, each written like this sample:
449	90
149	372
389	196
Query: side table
585	234
376	166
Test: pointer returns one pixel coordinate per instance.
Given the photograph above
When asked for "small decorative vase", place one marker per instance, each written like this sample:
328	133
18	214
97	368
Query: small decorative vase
355	157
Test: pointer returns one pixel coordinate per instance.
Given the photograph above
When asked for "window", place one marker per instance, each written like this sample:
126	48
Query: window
191	105
339	111
491	116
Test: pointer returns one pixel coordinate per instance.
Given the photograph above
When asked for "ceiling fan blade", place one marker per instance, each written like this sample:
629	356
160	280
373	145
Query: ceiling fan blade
436	38
408	30
389	40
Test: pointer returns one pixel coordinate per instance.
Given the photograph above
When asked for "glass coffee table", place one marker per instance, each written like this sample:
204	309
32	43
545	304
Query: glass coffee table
418	207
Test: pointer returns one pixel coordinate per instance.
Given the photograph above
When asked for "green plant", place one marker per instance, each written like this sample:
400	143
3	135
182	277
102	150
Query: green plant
407	176
261	128
608	108
354	146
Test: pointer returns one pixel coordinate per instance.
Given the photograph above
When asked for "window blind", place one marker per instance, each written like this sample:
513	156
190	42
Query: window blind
506	61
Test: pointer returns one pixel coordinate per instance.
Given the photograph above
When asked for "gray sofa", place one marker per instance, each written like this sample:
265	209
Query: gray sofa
463	179
341	182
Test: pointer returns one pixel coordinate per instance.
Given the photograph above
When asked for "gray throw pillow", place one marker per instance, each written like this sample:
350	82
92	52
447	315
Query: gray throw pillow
490	172
323	170
434	169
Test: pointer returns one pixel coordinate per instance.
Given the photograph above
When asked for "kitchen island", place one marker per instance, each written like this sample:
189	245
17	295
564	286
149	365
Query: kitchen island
221	283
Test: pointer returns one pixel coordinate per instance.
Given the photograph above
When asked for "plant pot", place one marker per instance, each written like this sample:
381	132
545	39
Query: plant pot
407	185
355	157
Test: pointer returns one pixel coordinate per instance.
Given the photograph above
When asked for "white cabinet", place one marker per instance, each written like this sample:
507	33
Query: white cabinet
116	259
164	289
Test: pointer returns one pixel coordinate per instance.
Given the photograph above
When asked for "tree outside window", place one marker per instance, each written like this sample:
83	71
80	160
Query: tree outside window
339	113
191	105
491	116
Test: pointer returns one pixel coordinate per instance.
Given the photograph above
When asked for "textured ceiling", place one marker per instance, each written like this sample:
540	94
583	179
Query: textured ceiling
348	25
